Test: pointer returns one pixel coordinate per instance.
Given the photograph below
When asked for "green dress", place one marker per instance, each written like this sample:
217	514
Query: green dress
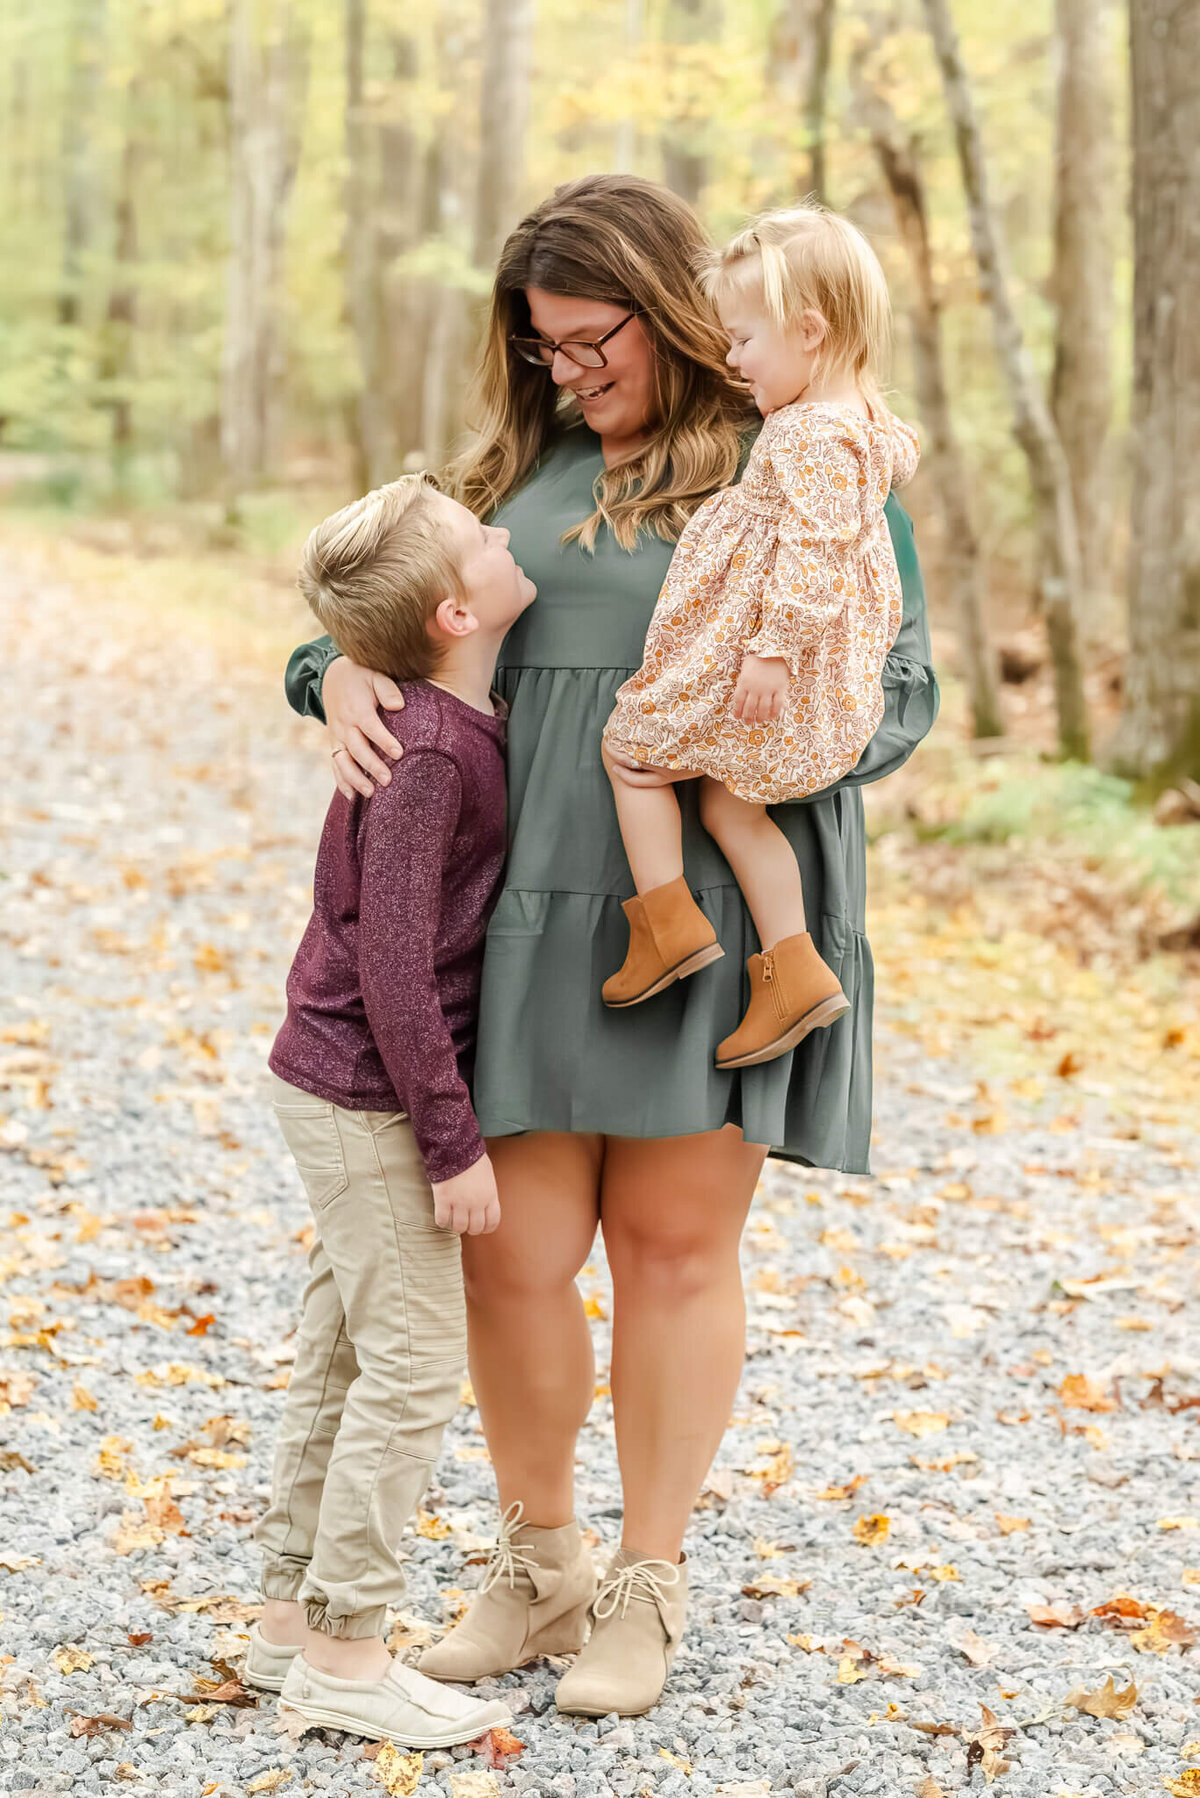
551	1056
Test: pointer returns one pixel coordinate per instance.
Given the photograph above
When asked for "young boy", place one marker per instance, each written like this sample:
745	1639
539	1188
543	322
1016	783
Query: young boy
370	1072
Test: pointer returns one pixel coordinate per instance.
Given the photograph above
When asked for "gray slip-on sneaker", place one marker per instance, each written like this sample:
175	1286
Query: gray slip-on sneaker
266	1663
404	1707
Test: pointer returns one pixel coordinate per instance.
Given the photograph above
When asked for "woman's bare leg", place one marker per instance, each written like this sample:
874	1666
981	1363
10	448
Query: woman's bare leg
762	859
651	830
672	1212
530	1347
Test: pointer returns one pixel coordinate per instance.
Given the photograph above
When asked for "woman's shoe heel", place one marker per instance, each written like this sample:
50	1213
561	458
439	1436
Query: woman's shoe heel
566	1635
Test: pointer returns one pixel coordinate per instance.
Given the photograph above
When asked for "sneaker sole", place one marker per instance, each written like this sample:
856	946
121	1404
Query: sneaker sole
316	1717
264	1682
827	1012
691	964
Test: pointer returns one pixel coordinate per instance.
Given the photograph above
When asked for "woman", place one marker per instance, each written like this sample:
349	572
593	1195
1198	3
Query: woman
608	416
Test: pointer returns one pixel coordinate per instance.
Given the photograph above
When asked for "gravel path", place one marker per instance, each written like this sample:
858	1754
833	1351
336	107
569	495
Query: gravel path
970	1400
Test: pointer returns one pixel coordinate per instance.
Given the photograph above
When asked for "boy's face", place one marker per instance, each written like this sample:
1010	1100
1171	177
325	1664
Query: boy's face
495	587
777	364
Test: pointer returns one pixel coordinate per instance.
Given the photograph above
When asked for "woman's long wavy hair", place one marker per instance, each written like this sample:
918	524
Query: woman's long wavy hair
635	245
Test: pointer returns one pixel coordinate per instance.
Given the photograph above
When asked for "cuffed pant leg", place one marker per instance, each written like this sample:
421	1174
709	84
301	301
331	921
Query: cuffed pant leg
400	1282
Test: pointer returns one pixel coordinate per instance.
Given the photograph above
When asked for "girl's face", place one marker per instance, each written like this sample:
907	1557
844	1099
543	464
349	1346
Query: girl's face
618	400
778	364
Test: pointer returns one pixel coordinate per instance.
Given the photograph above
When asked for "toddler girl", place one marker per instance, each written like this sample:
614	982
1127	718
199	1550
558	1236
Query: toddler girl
764	657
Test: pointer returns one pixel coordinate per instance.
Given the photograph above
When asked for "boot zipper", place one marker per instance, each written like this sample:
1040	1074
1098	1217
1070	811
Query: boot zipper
769	980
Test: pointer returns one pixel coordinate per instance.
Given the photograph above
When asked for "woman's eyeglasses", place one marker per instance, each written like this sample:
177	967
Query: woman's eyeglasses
586	355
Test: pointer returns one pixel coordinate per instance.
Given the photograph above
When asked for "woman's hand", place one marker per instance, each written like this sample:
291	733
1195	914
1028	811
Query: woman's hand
761	685
351	696
637	774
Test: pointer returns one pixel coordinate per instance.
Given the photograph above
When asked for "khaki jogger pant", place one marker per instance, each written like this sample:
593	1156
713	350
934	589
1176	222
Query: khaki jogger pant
380	1358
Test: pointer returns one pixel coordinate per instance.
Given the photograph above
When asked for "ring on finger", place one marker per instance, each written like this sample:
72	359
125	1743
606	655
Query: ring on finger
336	750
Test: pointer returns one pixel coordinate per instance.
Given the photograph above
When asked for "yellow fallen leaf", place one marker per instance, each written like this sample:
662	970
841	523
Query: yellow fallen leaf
397	1773
1105	1701
683	1766
872	1530
1012	1526
944	1573
1185	1785
1081	1393
1191	1576
81	1398
849	1672
593	1308
18	1563
435	1529
834	1493
270	1782
1179	1523
110	1458
72	1660
921	1423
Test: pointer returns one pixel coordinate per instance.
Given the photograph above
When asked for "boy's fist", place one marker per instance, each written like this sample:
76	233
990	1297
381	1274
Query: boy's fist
469	1204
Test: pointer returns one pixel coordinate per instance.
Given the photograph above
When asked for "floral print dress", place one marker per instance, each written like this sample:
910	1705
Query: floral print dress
795	561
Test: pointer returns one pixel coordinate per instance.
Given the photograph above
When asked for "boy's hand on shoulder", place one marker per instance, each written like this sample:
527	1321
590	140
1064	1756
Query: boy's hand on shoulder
761	686
469	1204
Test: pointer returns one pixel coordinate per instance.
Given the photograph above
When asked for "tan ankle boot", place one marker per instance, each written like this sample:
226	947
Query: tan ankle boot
792	991
638	1617
532	1599
669	937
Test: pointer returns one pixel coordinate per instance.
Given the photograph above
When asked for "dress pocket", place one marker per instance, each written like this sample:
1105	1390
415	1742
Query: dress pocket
311	1133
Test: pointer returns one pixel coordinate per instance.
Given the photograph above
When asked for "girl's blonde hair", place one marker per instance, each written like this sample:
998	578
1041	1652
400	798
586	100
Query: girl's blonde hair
376	572
807	259
634	244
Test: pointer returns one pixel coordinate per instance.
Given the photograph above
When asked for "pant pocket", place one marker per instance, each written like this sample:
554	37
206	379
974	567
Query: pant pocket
312	1136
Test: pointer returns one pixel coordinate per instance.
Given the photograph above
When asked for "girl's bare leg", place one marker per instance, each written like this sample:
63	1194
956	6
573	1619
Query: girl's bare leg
530	1347
762	860
672	1213
651	830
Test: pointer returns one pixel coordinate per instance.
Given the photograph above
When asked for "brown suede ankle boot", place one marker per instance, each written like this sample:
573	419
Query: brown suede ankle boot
532	1599
669	937
792	991
638	1618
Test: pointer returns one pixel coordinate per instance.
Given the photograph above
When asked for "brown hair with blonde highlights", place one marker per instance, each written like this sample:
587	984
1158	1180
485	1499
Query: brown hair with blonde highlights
376	572
633	244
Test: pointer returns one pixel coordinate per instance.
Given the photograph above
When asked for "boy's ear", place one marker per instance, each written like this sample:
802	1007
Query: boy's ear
453	618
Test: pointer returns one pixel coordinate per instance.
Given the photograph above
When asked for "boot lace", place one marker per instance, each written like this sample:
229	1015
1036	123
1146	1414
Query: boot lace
638	1580
505	1558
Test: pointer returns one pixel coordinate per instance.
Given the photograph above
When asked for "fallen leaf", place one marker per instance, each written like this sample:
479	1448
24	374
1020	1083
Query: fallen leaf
10	1460
1056	1616
674	1761
1179	1523
18	1563
833	1493
1012	1526
849	1671
98	1725
948	1572
1184	1785
397	1773
770	1587
270	1782
72	1660
435	1529
1081	1393
921	1423
1105	1701
498	1747
81	1398
872	1530
973	1647
1166	1630
474	1785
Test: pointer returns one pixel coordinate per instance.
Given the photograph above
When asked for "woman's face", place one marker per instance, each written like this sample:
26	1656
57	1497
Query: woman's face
618	400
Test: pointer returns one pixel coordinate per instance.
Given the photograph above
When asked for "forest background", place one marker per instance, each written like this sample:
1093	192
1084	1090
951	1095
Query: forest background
245	247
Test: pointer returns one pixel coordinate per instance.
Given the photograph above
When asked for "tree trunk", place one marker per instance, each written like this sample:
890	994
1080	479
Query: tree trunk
801	47
684	153
1159	737
625	148
267	78
1082	285
117	341
1054	510
504	110
898	159
371	435
85	52
398	213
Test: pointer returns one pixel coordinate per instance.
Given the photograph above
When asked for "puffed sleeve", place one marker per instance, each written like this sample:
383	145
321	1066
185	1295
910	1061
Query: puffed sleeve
823	477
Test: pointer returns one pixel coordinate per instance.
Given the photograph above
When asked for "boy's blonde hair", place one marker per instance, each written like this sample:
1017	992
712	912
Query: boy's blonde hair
376	572
806	258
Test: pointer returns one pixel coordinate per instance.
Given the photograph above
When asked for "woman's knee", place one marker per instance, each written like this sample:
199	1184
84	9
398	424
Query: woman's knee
672	1264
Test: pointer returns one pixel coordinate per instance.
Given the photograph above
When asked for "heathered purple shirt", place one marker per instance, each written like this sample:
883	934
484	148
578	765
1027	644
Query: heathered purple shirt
384	990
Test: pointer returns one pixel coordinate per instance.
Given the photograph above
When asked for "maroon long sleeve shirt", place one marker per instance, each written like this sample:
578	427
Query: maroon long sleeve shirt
384	990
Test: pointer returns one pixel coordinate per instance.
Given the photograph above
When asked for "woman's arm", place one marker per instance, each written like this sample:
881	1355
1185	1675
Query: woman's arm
322	683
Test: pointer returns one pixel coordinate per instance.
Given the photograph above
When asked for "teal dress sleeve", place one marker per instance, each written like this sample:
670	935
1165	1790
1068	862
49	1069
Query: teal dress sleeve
305	672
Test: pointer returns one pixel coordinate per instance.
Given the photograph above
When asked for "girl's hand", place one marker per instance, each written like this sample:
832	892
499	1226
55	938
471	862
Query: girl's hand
352	695
761	685
637	774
